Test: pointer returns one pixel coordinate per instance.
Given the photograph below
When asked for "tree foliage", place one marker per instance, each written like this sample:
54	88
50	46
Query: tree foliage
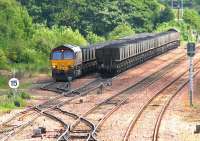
97	16
29	29
166	15
192	18
93	38
23	42
121	31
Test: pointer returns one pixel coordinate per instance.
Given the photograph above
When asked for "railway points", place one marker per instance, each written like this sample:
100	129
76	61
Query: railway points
88	125
108	70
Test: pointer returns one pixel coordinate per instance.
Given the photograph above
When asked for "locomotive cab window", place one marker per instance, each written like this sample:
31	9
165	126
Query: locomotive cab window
68	54
57	55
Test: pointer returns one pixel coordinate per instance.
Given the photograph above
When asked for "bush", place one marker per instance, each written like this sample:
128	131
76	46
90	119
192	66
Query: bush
121	31
24	95
4	61
3	81
166	15
12	101
46	38
182	27
192	18
93	38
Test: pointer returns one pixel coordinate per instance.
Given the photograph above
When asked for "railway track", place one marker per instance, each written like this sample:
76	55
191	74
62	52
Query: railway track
63	87
54	103
58	87
102	111
51	104
159	102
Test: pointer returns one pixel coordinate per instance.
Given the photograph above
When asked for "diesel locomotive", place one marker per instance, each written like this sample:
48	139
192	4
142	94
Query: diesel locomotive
111	57
70	61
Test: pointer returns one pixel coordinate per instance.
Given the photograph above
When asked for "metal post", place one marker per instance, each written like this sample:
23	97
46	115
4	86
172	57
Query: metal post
191	80
178	12
182	9
14	89
14	73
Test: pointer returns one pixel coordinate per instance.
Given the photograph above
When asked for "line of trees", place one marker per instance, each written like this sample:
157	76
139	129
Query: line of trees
29	29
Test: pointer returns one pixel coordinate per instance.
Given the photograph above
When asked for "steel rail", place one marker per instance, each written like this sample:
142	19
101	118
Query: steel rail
39	108
76	90
35	107
161	114
142	82
139	113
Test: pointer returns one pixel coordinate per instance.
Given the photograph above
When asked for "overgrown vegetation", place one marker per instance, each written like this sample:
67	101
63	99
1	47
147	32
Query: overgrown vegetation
29	29
189	25
3	81
97	16
11	101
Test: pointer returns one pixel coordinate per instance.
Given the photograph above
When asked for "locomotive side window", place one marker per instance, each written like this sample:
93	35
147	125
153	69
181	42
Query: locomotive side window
57	55
68	54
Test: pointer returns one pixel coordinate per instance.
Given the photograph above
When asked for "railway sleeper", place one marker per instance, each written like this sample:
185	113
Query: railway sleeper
79	135
113	102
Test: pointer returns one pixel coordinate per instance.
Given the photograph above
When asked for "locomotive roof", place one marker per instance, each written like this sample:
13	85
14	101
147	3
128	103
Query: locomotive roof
129	39
74	48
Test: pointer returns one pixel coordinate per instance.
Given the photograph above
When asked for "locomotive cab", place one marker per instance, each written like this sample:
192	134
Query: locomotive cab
66	62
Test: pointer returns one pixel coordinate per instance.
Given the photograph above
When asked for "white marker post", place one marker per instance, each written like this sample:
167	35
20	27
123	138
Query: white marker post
191	53
13	84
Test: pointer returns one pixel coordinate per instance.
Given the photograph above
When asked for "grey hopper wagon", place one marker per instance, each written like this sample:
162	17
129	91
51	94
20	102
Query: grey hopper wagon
119	55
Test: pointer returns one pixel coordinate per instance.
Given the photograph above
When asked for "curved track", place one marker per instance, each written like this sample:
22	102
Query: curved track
11	130
161	101
100	112
115	101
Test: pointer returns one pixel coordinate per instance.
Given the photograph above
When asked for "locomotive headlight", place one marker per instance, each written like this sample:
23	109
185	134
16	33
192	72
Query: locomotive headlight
54	66
70	66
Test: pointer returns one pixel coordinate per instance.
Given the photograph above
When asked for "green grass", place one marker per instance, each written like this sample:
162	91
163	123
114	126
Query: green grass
25	85
3	82
11	101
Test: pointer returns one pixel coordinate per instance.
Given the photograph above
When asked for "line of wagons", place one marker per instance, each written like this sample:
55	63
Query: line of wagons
112	57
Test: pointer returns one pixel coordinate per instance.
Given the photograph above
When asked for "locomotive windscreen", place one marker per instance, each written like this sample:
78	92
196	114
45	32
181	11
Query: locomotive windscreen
57	55
60	55
68	54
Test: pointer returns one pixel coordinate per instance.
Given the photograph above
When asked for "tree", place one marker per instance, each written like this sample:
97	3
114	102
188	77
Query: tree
193	18
93	38
120	31
97	16
166	15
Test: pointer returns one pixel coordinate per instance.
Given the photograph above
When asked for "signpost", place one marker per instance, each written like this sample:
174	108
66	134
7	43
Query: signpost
191	53
13	84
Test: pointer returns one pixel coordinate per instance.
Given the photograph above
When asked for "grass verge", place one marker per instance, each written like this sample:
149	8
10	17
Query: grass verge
11	101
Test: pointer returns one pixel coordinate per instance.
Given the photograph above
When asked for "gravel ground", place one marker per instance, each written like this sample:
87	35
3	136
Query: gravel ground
43	121
122	81
180	120
117	124
127	78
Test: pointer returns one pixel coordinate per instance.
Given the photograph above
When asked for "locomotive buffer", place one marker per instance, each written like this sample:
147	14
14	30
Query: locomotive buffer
191	53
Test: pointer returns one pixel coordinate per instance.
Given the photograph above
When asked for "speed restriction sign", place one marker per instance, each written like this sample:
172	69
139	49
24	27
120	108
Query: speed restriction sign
13	83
